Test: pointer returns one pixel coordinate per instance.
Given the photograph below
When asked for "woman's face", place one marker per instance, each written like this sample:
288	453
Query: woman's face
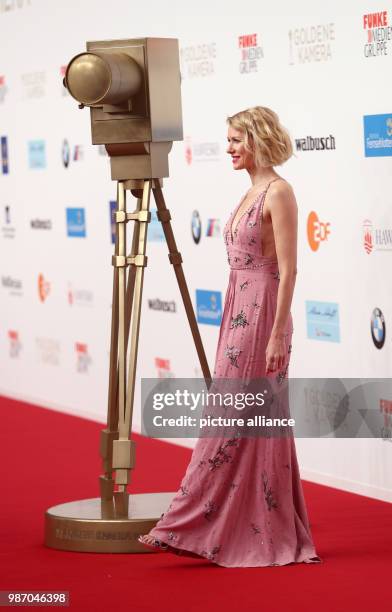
241	159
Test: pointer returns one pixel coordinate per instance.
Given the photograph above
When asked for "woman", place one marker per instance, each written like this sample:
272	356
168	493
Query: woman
241	502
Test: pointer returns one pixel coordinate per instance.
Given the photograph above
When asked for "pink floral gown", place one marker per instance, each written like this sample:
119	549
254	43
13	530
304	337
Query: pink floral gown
241	503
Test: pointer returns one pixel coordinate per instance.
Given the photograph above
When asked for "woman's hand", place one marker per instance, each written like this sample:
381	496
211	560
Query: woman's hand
275	354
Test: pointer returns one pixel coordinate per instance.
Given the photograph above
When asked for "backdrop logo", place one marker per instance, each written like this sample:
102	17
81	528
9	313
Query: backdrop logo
378	34
315	143
198	60
188	151
317	231
3	88
112	210
8	229
251	53
163	368
378	135
386	411
43	288
376	239
48	351
311	43
4	155
201	151
196	226
213	228
37	154
79	296
377	328
64	90
15	344
163	305
7	6
33	85
322	321
76	153
13	285
209	306
65	153
76	223
155	231
41	224
83	359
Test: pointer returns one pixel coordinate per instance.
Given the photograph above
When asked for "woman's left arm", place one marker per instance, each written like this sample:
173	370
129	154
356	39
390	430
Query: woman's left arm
284	216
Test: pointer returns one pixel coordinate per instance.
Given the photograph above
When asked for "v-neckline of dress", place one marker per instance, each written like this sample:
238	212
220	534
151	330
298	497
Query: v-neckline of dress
244	213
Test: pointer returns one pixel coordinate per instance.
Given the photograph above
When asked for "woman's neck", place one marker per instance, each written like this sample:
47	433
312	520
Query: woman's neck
261	176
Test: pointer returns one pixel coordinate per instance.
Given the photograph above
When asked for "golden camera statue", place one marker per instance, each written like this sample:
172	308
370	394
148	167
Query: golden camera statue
133	90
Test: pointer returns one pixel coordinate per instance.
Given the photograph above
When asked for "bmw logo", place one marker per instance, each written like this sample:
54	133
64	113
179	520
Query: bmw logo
377	328
196	226
65	153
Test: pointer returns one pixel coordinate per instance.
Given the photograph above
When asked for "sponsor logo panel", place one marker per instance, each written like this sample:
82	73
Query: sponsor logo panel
322	320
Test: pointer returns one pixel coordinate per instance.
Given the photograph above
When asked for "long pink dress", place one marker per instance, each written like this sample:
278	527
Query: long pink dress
241	503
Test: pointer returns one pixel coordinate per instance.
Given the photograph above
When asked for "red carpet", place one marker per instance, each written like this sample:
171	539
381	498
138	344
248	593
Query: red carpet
49	458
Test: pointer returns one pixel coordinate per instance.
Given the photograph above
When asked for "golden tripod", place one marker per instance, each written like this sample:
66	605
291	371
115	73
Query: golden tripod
113	522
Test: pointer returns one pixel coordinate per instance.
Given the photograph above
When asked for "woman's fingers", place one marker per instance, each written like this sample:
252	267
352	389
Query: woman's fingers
275	363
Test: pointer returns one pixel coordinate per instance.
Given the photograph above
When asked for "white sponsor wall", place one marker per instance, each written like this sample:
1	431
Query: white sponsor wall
325	71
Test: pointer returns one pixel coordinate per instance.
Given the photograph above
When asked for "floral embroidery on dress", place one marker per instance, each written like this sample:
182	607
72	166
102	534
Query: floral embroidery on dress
211	507
233	353
222	456
268	495
282	375
244	285
172	537
255	528
233	485
248	259
251	241
255	304
159	544
239	320
212	553
252	224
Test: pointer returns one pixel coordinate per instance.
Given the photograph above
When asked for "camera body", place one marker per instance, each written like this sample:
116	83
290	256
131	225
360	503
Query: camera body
133	89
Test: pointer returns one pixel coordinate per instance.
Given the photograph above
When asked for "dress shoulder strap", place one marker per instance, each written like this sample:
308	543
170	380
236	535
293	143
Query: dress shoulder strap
278	178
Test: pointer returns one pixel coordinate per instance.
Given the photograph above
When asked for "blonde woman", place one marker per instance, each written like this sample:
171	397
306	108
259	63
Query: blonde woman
241	503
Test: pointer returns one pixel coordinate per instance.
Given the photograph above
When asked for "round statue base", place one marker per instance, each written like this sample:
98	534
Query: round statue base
91	525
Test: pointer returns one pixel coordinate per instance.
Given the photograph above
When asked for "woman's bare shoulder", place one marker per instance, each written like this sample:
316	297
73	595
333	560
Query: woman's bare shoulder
281	195
282	186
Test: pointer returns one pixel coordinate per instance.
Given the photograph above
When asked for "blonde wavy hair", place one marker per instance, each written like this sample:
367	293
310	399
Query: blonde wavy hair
264	136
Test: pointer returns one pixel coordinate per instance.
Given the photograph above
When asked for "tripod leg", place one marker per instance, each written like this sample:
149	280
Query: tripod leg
110	434
131	277
124	448
176	260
